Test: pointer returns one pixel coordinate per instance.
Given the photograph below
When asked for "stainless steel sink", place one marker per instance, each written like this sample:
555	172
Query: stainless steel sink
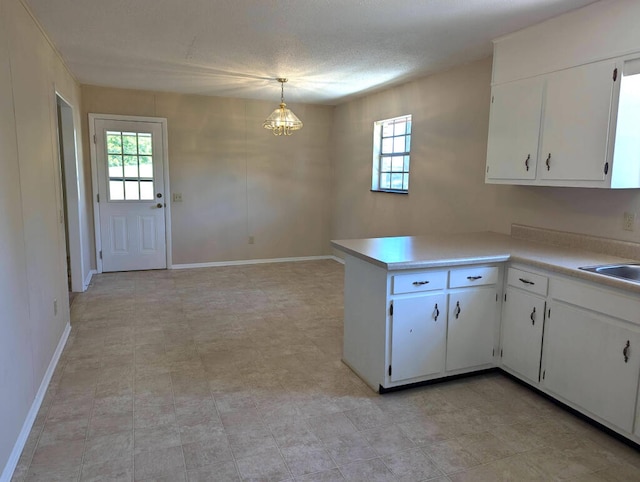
629	272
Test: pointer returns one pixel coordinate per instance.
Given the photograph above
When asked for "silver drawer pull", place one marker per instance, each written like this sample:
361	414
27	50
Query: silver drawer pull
473	278
457	310
526	281
420	283
436	313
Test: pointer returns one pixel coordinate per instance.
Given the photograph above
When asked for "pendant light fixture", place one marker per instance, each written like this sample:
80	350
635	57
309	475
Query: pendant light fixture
282	121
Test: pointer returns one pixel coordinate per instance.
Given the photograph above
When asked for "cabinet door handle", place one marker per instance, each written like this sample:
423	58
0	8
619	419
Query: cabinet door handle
420	283
473	278
526	281
526	161
626	351
437	313
548	162
458	310
533	316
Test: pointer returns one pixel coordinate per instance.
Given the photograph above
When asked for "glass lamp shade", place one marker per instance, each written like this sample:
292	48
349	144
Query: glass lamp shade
282	121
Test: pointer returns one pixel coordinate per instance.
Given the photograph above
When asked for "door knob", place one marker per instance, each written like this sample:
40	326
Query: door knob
159	195
159	205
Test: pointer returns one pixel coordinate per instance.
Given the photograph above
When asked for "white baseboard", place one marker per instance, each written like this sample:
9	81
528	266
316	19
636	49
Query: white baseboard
250	261
14	457
87	281
338	259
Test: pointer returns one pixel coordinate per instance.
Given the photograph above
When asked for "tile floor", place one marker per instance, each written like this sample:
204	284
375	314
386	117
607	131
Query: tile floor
234	373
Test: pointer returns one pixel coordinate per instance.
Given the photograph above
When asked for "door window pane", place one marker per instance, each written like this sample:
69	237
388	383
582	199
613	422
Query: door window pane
146	166
144	143
114	142
130	166
130	142
116	190
115	166
146	190
131	191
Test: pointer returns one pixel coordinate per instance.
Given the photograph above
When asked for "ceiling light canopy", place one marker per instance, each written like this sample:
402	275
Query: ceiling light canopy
282	121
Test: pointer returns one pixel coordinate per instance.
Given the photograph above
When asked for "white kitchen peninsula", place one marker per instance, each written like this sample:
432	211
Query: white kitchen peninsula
419	308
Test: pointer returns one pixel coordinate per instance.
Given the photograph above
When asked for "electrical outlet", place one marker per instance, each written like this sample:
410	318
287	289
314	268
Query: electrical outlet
177	197
252	240
55	307
628	221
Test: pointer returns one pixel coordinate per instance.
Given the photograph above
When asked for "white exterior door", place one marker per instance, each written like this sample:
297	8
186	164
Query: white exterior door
131	203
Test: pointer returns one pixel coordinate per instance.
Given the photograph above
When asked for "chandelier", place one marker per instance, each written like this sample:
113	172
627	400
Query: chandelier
282	121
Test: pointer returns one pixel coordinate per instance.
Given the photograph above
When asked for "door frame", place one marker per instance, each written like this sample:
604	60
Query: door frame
72	199
94	179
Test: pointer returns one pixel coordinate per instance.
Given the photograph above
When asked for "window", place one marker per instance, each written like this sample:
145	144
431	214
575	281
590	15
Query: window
391	146
130	161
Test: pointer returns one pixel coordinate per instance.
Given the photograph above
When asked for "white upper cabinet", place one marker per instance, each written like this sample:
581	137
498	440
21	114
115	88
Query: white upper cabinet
575	125
514	124
554	91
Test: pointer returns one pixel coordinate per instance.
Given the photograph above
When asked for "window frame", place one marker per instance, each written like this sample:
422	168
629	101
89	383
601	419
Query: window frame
379	156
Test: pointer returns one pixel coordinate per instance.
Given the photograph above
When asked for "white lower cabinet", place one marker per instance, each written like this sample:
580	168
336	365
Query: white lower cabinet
522	325
473	314
418	336
593	362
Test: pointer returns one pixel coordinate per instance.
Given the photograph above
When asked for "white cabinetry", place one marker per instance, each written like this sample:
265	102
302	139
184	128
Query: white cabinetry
403	327
575	128
568	73
523	317
568	113
592	351
418	336
472	318
514	126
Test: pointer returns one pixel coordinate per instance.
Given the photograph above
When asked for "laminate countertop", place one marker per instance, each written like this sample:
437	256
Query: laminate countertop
440	250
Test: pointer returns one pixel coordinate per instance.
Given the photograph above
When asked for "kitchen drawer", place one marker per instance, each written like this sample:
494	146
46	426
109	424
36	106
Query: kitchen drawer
424	281
482	275
532	282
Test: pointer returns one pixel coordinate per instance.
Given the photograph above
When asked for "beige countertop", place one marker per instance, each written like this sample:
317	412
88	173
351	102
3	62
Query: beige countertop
431	251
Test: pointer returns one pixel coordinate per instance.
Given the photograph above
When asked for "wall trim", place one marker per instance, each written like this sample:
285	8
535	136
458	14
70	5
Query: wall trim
14	457
87	280
337	258
251	261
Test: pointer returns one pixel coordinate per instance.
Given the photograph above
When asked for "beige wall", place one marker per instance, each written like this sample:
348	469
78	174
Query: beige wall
448	146
448	154
32	252
237	179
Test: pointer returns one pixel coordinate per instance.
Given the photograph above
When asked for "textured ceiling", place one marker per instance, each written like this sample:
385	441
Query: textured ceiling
330	50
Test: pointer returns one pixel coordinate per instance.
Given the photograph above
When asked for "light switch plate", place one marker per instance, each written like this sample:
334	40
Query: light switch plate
177	197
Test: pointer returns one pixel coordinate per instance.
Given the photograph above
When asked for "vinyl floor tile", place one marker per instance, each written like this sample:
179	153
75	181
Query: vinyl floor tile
235	373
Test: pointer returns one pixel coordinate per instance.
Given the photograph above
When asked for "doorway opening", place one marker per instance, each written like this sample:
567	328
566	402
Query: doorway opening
70	196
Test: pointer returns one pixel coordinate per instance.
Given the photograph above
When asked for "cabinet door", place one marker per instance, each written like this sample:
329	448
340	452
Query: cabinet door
471	328
418	336
585	363
522	324
576	123
514	127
